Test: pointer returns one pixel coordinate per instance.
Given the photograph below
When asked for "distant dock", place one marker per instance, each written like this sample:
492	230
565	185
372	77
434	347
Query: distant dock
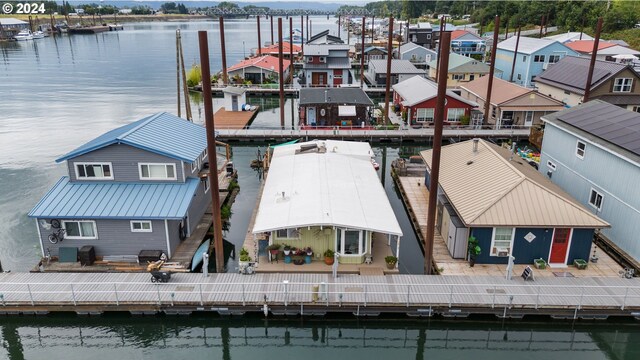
234	119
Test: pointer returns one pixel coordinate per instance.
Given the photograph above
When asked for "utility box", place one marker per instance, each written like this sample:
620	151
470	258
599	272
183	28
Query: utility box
87	255
149	256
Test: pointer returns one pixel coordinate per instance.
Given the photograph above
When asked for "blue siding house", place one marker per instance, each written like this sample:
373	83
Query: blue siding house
533	57
509	207
592	151
137	187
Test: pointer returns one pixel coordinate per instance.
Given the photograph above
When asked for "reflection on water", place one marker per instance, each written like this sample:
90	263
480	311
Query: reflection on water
255	338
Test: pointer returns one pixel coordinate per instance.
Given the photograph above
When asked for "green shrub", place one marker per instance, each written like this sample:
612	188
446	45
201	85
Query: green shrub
225	211
194	76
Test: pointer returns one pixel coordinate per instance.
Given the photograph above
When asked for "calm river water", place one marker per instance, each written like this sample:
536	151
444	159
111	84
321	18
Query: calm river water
57	93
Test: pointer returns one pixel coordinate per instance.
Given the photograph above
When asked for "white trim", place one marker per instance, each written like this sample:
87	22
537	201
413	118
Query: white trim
584	151
599	208
566	256
85	178
361	244
188	224
166	231
67	236
162	178
40	237
206	185
493	238
551	165
622	85
594	184
141	230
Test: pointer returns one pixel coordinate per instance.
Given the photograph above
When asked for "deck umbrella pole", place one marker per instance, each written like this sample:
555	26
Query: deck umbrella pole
592	63
388	82
211	150
445	39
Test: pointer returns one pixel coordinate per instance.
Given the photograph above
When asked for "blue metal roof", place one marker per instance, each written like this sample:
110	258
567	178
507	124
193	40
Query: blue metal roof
112	200
162	133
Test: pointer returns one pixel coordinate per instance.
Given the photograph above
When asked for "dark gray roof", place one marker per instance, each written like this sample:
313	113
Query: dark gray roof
603	123
620	98
329	37
571	72
351	96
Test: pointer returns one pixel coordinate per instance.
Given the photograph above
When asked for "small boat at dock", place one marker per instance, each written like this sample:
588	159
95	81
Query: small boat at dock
38	35
197	257
24	35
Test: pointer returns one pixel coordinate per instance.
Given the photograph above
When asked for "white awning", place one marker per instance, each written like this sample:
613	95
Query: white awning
338	187
347	110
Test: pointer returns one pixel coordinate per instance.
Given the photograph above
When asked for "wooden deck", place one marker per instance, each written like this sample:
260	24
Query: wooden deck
417	195
293	293
234	119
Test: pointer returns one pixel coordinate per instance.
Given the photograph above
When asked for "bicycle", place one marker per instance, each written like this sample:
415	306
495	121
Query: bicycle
57	235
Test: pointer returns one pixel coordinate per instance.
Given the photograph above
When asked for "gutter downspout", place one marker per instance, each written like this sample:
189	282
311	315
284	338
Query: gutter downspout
166	230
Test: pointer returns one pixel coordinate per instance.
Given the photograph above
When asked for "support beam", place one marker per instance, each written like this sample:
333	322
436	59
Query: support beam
223	47
592	63
445	40
494	48
211	150
388	82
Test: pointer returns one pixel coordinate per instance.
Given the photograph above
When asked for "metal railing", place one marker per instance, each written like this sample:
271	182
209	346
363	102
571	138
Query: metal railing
287	293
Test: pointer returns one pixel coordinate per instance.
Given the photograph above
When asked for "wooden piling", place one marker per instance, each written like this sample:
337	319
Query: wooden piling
442	27
302	34
362	55
185	88
445	40
388	82
281	74
592	63
259	41
541	26
217	244
223	46
178	72
494	48
291	50
513	65
271	16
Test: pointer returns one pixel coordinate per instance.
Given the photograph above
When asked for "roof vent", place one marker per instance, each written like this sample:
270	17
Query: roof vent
475	145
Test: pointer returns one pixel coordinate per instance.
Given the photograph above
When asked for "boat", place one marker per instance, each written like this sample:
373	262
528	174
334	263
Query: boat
38	35
24	35
197	257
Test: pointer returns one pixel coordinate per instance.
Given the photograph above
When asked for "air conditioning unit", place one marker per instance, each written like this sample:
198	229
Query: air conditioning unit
502	252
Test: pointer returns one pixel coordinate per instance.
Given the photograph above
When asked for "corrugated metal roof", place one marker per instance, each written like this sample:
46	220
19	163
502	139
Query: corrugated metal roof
397	67
267	62
12	21
487	189
456	61
346	95
527	45
323	49
586	46
108	200
418	89
608	123
162	133
570	73
570	36
410	46
504	91
619	98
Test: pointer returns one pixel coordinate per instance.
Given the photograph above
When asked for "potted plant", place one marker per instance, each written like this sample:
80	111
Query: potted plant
391	261
474	250
309	253
274	249
540	264
287	250
580	264
244	256
329	257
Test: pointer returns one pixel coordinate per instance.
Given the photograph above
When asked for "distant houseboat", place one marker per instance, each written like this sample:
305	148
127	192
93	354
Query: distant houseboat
334	107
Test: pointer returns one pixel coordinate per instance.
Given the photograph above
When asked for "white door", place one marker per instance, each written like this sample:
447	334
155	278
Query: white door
528	118
311	116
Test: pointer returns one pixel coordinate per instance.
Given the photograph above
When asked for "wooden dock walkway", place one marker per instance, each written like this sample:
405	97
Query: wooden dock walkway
294	294
234	119
416	135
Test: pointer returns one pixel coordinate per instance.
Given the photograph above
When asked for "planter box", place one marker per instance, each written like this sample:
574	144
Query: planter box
580	264
540	264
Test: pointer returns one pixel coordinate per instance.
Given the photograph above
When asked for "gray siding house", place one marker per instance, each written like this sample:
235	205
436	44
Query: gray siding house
592	151
137	187
416	54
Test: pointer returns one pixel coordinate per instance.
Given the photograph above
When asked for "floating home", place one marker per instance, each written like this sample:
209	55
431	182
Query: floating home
400	70
259	70
134	188
335	107
325	194
592	151
510	208
461	69
327	65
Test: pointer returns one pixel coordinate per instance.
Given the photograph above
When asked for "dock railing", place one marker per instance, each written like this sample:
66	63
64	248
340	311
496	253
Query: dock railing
289	293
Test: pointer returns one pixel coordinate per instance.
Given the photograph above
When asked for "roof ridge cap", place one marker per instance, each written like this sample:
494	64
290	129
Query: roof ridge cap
144	123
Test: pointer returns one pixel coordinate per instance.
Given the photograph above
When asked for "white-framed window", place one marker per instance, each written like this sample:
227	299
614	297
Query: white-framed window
524	58
554	59
423	115
519	77
538	58
595	199
458	76
580	149
205	184
350	242
194	166
502	241
414	38
141	226
454	114
636	109
93	171
622	85
79	229
157	171
287	234
551	165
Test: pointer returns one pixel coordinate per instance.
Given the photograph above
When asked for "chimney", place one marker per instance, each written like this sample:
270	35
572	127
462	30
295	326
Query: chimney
475	145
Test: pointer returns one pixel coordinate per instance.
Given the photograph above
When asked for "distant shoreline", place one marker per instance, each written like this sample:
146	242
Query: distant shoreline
45	18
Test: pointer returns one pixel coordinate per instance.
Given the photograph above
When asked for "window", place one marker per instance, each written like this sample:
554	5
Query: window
580	149
567	92
425	115
93	171
458	76
538	58
554	59
595	200
194	166
428	36
519	77
287	233
524	58
622	85
205	183
350	242
636	109
501	241
551	165
80	229
454	114
141	226
322	59
157	171
204	155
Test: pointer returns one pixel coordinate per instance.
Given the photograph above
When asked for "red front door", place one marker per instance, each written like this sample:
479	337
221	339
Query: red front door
559	246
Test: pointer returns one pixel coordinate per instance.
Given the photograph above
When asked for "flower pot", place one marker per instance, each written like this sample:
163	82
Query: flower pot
307	259
274	252
287	259
329	260
287	252
391	266
472	261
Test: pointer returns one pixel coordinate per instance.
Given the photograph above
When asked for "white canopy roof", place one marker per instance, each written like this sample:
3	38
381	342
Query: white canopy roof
346	110
333	185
